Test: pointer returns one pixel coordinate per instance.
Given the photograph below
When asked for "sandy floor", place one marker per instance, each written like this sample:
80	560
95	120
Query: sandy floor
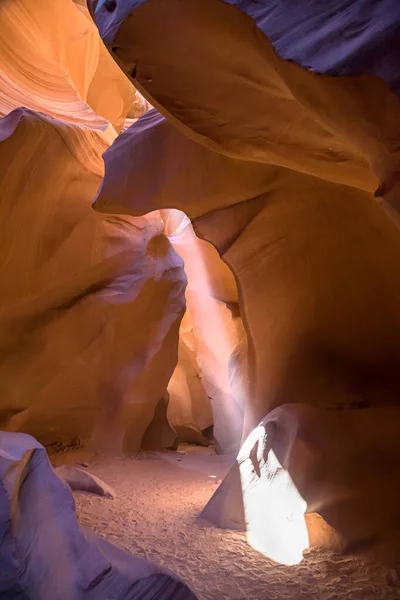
158	497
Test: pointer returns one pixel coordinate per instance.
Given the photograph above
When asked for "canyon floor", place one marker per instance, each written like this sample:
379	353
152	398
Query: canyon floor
159	496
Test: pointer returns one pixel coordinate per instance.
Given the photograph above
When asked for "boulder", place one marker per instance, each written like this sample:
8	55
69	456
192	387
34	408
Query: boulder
83	481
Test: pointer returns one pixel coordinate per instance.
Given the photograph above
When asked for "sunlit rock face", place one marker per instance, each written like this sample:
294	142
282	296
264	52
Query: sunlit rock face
91	305
277	167
263	109
312	477
189	410
212	338
313	266
53	61
311	259
45	550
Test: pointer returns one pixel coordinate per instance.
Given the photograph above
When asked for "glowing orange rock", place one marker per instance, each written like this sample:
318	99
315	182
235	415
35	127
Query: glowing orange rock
91	304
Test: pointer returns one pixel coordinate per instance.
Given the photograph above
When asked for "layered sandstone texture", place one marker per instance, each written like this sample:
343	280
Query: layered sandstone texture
91	304
277	166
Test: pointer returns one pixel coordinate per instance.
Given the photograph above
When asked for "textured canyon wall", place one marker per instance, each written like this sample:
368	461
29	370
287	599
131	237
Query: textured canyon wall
53	61
277	167
317	289
91	304
252	104
211	338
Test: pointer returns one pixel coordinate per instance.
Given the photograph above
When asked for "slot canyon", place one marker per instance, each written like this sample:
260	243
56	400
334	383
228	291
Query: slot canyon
200	307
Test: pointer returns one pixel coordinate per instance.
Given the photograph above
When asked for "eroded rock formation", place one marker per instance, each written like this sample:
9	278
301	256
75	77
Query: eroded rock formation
211	337
45	551
297	250
277	167
91	305
308	476
52	61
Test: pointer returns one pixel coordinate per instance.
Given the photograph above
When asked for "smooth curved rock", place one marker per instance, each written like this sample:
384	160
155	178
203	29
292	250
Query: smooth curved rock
91	304
160	434
44	553
315	265
263	108
53	61
339	38
110	93
83	481
189	409
211	331
343	465
342	38
210	337
188	175
232	93
312	265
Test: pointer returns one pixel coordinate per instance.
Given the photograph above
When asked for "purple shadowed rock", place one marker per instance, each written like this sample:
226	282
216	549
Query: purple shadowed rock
80	480
46	555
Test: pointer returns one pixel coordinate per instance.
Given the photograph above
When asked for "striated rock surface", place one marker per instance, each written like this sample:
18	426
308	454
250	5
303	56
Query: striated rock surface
91	304
318	291
232	93
209	341
53	61
185	171
189	410
277	167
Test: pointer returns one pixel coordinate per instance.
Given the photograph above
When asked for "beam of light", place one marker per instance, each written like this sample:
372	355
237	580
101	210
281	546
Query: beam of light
274	509
210	319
